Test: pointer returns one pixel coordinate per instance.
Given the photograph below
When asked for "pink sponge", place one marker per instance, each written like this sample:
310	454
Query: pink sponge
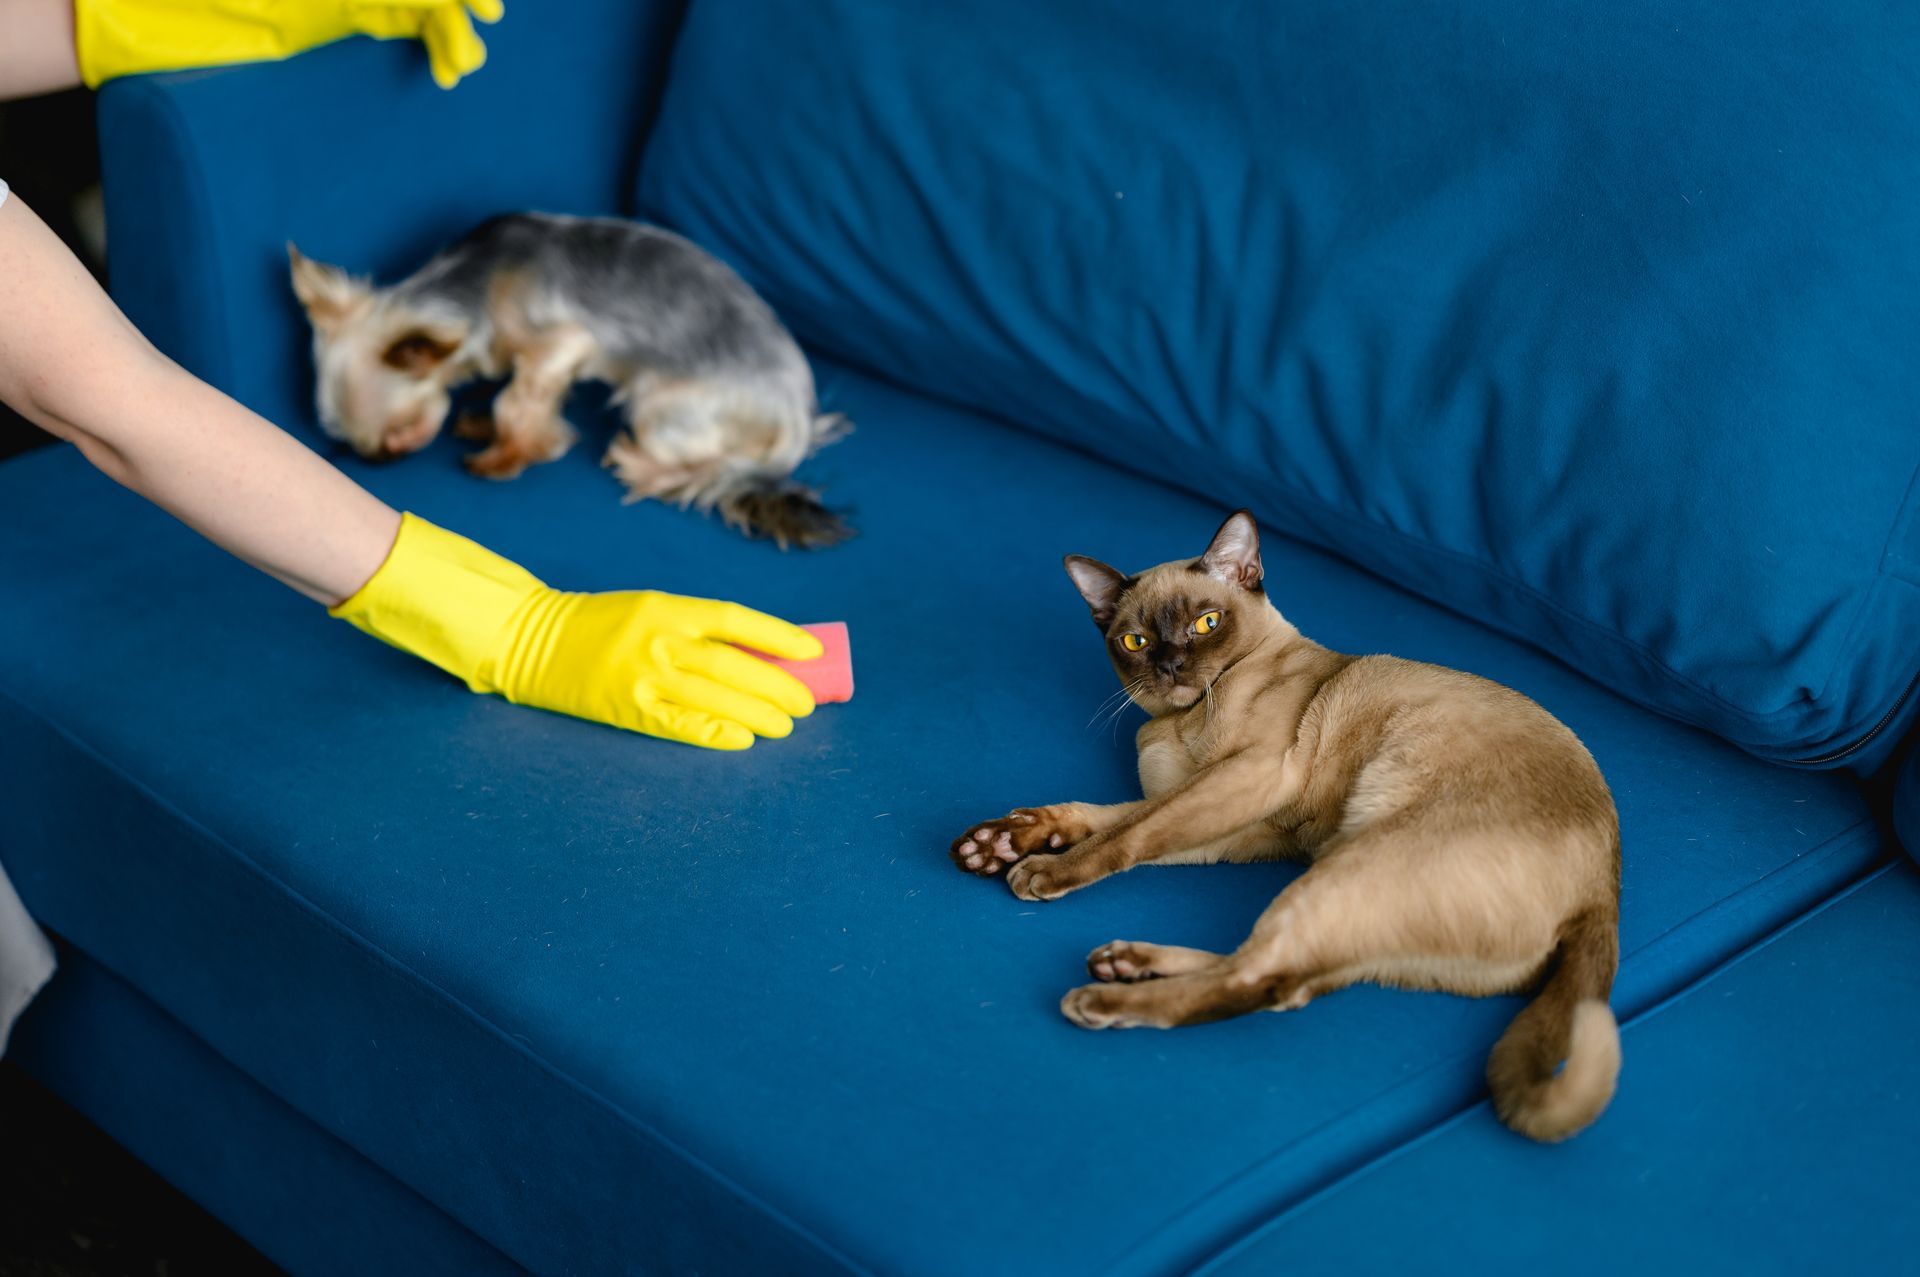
828	676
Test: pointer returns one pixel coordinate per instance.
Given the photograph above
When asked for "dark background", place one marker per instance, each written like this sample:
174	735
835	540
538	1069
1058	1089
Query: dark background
48	157
72	1202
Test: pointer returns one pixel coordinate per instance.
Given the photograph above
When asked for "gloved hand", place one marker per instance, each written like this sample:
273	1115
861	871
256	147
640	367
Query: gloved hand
654	663
126	37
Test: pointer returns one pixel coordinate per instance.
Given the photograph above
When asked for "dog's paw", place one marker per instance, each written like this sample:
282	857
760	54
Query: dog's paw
520	439
499	460
474	427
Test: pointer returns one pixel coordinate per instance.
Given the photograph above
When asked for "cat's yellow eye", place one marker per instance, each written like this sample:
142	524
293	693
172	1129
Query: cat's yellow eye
1133	642
1207	624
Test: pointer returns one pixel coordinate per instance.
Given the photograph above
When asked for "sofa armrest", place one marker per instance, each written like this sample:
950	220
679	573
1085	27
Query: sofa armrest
354	154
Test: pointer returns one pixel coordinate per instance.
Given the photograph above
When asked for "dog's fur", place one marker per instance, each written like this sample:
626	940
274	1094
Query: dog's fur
719	401
1460	837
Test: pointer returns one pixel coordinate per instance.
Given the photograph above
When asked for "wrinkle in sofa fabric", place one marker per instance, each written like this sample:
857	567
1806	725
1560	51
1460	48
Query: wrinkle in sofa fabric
1592	324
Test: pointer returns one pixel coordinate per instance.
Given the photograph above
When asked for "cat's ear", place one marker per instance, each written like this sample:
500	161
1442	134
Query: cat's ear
1234	555
1099	585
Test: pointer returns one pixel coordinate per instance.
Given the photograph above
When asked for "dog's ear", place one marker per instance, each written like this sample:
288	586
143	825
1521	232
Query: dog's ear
333	299
419	351
1234	554
1100	585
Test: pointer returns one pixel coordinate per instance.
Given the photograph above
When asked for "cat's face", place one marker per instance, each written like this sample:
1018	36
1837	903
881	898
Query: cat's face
1172	630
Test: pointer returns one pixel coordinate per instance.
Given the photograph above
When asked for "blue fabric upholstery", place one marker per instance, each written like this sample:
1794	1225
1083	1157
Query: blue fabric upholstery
352	153
304	1199
599	998
1748	1151
1596	324
615	1005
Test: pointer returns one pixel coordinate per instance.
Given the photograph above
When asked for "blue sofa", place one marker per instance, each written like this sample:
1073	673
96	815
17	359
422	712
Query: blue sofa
396	979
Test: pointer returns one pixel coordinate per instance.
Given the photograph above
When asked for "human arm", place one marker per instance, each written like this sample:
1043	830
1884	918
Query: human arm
36	48
655	663
71	363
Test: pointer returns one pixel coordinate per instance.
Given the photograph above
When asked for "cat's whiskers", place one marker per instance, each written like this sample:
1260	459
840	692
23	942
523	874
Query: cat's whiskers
1126	692
1101	709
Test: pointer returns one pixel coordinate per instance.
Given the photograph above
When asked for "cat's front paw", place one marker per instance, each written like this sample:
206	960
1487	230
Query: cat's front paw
1041	878
1128	961
1101	1006
989	847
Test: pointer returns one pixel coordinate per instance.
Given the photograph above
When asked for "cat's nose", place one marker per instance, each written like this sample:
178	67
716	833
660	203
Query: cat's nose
1171	665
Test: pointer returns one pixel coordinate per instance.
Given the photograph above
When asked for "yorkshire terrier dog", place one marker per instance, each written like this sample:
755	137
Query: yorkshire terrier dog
719	401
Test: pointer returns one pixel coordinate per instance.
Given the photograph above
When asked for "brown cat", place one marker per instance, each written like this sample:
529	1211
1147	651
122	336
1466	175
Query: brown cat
1460	837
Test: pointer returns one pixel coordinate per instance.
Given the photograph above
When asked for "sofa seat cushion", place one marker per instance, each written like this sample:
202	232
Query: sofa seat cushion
1786	1068
300	1196
1594	323
614	1003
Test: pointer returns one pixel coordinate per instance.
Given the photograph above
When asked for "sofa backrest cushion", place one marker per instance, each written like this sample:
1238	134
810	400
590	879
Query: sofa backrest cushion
1595	322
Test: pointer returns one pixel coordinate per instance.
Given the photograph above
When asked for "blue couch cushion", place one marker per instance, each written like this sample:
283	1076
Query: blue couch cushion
211	173
300	1196
614	1004
1595	323
1768	1119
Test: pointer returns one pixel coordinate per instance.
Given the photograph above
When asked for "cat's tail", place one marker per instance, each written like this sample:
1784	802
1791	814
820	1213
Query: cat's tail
1567	1021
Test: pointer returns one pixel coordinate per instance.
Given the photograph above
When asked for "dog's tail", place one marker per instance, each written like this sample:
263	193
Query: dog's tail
756	494
826	428
781	509
772	504
1568	1020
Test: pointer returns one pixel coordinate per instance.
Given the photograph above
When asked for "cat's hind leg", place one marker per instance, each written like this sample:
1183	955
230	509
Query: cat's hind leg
1385	906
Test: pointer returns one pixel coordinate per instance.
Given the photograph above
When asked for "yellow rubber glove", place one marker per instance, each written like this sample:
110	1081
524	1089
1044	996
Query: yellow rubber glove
127	37
654	663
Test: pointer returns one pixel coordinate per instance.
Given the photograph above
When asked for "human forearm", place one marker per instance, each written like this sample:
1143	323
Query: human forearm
36	48
234	478
72	363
